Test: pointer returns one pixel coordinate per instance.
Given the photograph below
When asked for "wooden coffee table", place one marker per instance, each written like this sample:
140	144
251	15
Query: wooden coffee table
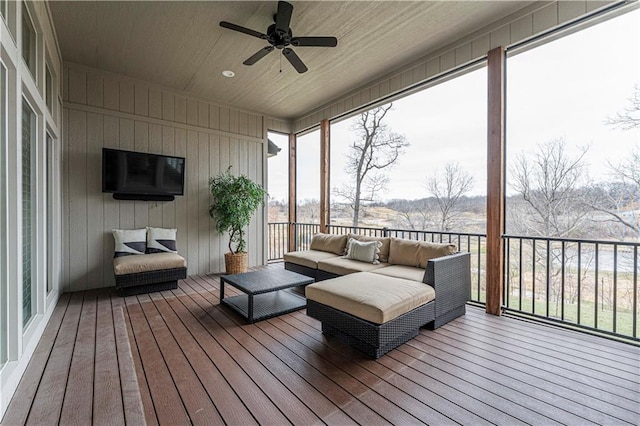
266	294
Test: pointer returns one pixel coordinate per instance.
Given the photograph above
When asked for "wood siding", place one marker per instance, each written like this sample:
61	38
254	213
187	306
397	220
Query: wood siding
527	23
104	110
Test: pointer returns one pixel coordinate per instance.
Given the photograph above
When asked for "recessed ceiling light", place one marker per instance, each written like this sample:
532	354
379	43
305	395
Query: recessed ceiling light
228	73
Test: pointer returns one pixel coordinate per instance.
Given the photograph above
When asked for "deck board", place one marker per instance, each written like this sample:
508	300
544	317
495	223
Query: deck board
136	398
22	399
77	407
47	402
108	405
178	357
166	399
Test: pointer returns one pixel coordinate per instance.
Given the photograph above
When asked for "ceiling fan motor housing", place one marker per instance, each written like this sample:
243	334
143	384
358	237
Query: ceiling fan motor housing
277	38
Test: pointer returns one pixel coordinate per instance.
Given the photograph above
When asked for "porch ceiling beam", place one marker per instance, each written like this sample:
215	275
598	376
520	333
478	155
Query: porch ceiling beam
495	180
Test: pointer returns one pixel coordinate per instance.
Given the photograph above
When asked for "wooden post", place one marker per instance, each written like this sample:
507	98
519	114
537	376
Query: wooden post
292	192
495	180
325	144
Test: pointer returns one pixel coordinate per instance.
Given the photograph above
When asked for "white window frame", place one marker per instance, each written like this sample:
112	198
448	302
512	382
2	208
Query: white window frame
35	195
34	55
4	311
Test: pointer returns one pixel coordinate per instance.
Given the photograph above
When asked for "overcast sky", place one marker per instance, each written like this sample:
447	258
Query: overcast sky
563	89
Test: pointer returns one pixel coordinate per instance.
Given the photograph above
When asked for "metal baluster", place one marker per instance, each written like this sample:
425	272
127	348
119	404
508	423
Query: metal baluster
615	286
579	319
520	275
533	273
548	272
635	291
595	294
563	280
506	294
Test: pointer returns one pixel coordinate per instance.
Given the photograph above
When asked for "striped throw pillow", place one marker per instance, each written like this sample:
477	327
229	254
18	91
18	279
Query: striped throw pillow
161	240
129	242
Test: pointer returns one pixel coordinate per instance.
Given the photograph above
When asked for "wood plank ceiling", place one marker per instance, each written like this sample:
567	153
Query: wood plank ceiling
180	44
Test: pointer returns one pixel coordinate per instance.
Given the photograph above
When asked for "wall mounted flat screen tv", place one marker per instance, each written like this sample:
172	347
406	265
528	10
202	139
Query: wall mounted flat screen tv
141	176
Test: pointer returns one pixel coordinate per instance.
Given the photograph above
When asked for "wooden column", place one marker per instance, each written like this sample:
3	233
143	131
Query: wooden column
292	192
495	180
325	144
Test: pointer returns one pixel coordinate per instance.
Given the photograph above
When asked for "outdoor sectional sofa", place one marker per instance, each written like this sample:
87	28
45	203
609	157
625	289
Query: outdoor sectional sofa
379	304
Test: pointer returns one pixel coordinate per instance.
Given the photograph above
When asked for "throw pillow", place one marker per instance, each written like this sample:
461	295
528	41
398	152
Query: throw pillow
329	243
129	242
384	249
417	253
161	240
364	251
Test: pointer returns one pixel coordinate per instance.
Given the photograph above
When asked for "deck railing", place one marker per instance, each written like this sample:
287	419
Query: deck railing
591	284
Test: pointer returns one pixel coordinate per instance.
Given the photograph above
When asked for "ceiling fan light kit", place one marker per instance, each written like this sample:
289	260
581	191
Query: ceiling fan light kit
279	36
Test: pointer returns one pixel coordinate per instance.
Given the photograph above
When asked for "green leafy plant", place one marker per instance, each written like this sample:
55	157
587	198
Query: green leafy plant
235	200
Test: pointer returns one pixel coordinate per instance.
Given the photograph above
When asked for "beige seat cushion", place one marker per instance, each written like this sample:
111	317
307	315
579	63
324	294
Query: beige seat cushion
344	266
417	253
383	256
308	258
147	262
401	271
372	297
328	242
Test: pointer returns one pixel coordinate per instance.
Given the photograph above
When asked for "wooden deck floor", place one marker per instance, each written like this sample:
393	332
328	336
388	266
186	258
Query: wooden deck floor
177	357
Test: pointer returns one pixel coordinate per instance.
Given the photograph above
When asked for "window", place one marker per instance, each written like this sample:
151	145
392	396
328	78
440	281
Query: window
3	238
278	189
573	156
308	178
8	12
570	113
429	138
28	41
50	203
28	154
49	90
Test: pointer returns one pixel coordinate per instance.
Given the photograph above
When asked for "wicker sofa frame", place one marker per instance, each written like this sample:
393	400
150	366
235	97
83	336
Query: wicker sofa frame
450	276
146	282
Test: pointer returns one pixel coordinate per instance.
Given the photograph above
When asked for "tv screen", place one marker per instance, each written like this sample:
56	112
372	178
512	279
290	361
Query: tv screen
138	173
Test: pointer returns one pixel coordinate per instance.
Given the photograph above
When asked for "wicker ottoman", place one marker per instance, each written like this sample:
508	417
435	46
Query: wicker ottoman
147	273
371	312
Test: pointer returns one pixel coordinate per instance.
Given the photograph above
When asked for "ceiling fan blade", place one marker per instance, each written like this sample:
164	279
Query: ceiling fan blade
283	16
294	60
315	41
258	55
244	30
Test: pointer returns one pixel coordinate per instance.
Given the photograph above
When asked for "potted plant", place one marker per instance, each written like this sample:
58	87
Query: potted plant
235	200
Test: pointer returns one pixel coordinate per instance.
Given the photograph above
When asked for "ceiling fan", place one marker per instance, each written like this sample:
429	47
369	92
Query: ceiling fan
280	36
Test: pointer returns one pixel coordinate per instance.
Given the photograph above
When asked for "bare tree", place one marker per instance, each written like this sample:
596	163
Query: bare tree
620	201
448	188
548	183
416	215
376	148
629	118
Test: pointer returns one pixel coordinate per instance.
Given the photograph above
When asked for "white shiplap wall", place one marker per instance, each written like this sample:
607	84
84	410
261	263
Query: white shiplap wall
106	110
527	23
